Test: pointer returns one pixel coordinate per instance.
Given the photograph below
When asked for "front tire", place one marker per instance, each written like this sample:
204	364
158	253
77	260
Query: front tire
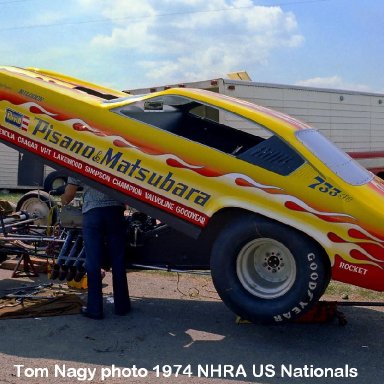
267	272
55	180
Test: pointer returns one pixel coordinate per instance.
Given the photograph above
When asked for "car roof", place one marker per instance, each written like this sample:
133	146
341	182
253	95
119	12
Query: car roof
272	119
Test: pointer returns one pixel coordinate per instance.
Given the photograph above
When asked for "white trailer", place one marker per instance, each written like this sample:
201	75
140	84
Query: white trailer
353	120
21	171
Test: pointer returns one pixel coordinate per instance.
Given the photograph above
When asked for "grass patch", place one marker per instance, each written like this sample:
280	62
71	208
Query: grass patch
12	197
341	291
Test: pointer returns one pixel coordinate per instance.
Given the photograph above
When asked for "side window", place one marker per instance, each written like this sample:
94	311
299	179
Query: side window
218	129
206	112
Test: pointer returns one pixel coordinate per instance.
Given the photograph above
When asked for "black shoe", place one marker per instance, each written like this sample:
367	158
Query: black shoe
95	316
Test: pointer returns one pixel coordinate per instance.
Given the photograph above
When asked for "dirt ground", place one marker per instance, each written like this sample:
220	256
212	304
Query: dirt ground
179	331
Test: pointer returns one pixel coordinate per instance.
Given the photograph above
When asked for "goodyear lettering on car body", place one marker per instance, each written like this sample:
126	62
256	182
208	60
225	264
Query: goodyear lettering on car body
192	180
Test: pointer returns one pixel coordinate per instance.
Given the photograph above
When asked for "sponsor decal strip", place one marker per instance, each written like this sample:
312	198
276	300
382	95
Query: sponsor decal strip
106	178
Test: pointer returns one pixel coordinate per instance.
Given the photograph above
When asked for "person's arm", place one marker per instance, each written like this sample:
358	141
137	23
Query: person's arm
69	193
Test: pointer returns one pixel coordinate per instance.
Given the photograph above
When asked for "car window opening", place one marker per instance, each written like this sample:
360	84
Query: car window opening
200	123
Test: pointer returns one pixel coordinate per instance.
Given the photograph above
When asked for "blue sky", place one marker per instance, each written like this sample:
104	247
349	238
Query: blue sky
140	43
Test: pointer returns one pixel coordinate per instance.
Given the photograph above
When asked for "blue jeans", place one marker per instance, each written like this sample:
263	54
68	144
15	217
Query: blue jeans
104	231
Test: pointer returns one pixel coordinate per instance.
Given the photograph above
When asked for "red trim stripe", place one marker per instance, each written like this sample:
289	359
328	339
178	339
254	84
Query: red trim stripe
366	154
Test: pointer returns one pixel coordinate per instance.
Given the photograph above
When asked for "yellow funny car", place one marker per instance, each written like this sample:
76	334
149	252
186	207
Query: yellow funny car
266	202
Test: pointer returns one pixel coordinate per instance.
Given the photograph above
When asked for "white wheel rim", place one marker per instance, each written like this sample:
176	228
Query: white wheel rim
266	268
36	208
59	182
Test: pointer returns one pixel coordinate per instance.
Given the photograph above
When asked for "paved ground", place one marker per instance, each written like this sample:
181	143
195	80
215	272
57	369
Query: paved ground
178	321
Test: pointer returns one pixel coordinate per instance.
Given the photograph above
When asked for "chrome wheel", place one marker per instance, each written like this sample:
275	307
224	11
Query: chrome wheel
266	268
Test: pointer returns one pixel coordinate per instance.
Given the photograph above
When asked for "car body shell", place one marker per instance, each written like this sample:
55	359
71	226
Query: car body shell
74	125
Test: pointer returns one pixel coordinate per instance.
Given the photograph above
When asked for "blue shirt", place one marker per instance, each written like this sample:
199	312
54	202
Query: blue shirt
92	198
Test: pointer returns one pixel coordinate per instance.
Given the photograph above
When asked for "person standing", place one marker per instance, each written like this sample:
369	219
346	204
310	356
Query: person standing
103	231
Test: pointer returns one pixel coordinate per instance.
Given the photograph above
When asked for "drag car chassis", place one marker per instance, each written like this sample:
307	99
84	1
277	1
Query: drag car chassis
27	231
43	229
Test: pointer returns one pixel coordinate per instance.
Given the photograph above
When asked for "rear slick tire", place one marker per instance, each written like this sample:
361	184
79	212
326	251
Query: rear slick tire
267	272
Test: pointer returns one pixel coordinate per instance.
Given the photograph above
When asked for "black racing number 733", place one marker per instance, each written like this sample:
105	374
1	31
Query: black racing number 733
322	186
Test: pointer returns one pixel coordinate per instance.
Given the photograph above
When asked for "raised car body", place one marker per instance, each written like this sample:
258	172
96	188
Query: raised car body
165	154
